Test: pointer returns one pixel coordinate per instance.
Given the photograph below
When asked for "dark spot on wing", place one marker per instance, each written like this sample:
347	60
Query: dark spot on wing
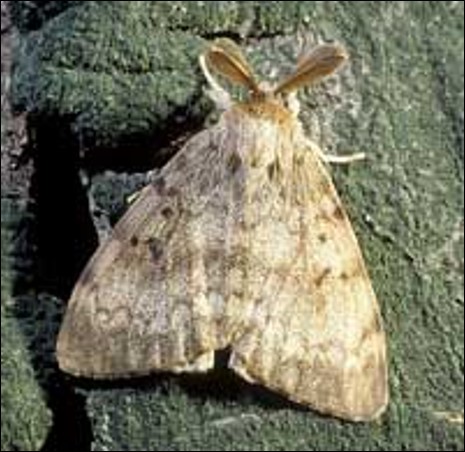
299	159
233	163
321	277
273	169
134	241
160	185
171	191
254	162
167	212
161	188
338	213
354	270
156	248
377	325
322	238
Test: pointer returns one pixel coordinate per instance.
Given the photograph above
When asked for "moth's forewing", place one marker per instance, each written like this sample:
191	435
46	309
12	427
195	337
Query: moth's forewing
316	332
140	304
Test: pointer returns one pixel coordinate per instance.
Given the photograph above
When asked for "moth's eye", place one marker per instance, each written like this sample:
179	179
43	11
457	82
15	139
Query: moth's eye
290	102
283	100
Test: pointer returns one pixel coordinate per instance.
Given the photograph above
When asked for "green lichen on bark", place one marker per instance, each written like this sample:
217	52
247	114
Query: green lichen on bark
25	416
26	419
108	70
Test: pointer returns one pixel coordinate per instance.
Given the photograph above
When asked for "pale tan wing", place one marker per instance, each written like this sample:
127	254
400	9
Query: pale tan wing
148	300
315	333
226	58
320	62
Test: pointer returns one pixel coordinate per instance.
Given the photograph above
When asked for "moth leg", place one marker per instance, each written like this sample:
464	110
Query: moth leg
340	159
151	175
133	196
220	97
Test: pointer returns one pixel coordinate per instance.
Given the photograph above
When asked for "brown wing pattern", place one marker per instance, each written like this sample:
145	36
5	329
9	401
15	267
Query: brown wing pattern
315	333
141	303
243	242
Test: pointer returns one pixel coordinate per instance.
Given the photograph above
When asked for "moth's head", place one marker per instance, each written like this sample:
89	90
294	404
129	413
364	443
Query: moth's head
225	58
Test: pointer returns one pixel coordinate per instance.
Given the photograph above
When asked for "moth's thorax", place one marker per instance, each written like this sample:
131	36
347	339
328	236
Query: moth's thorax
263	134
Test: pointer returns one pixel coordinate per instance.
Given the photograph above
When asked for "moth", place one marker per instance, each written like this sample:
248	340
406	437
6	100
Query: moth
240	243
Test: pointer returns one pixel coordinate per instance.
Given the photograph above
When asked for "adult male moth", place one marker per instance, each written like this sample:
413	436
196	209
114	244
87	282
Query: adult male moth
240	242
